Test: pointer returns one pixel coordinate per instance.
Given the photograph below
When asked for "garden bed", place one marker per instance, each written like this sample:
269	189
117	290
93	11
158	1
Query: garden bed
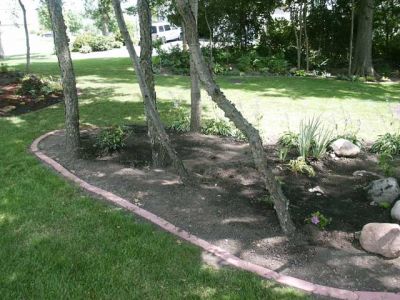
227	208
12	104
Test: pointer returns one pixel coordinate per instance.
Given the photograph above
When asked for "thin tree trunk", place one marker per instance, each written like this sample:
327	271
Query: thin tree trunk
295	21
149	102
363	47
28	48
280	201
67	77
211	38
1	45
351	37
195	95
306	41
159	154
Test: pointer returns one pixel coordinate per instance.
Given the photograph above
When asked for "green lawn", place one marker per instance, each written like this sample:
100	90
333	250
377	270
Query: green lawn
58	243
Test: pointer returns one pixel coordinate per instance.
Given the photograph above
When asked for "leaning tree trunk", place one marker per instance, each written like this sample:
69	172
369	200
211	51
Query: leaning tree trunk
67	77
280	201
159	154
363	48
28	48
195	95
1	46
147	97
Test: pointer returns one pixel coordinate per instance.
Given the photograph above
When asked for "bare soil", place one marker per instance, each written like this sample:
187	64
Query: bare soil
12	104
226	207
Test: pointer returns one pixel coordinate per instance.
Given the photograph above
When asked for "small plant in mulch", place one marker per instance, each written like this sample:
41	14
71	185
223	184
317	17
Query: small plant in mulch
319	220
37	86
300	165
111	139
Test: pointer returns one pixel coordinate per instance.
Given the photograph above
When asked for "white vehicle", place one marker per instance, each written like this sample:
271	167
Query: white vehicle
165	31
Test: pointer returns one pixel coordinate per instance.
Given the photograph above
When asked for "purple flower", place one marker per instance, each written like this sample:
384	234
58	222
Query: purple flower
315	220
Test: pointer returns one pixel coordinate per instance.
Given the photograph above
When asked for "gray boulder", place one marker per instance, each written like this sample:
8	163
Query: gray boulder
395	212
383	190
381	238
345	148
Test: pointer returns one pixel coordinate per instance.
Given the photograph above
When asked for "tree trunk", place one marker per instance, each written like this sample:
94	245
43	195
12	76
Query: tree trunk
159	154
104	26
67	77
195	95
280	201
1	45
351	37
28	48
306	41
363	47
294	17
147	98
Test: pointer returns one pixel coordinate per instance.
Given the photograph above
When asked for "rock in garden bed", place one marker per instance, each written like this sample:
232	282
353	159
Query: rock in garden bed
381	238
345	148
384	190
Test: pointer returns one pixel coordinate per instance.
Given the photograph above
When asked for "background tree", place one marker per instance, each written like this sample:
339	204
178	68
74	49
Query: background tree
102	13
28	48
67	77
72	20
363	46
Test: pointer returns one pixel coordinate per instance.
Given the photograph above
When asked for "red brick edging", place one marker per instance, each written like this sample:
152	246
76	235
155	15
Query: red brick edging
214	250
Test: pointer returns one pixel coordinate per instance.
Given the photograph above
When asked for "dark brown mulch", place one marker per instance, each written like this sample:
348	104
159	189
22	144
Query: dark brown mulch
12	104
226	207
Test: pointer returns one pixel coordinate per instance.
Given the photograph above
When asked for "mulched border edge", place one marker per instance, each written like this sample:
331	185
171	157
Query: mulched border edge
230	259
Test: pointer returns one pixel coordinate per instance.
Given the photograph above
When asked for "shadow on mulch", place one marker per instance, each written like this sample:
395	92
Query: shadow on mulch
227	209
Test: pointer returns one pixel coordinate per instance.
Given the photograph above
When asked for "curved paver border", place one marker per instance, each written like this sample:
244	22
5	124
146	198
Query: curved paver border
214	250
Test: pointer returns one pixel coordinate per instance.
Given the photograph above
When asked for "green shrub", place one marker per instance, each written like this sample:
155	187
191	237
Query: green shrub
96	42
385	162
388	143
277	65
245	63
300	165
111	139
85	49
175	61
181	123
318	220
313	138
4	68
221	128
36	86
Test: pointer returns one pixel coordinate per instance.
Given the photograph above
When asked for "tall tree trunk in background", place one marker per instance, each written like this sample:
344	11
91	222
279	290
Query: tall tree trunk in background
1	45
306	41
195	94
28	48
147	98
280	201
159	155
351	37
363	48
67	77
295	17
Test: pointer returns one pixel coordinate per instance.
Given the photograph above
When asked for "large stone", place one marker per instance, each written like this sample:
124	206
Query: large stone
383	190
381	238
345	148
395	212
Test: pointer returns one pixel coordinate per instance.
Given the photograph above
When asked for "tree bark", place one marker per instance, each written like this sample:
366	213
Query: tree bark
147	98
306	41
295	19
159	154
363	47
280	201
351	37
195	94
28	48
67	77
1	46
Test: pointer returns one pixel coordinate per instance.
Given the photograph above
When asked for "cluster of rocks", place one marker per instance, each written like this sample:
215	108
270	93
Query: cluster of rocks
379	238
383	238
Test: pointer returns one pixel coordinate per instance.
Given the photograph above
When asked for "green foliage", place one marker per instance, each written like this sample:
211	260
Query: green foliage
385	162
313	138
111	139
37	86
176	60
300	165
319	220
95	42
384	205
4	68
388	143
288	142
85	49
73	21
181	122
222	128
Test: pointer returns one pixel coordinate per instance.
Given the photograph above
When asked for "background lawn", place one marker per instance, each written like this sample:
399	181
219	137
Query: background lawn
57	242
